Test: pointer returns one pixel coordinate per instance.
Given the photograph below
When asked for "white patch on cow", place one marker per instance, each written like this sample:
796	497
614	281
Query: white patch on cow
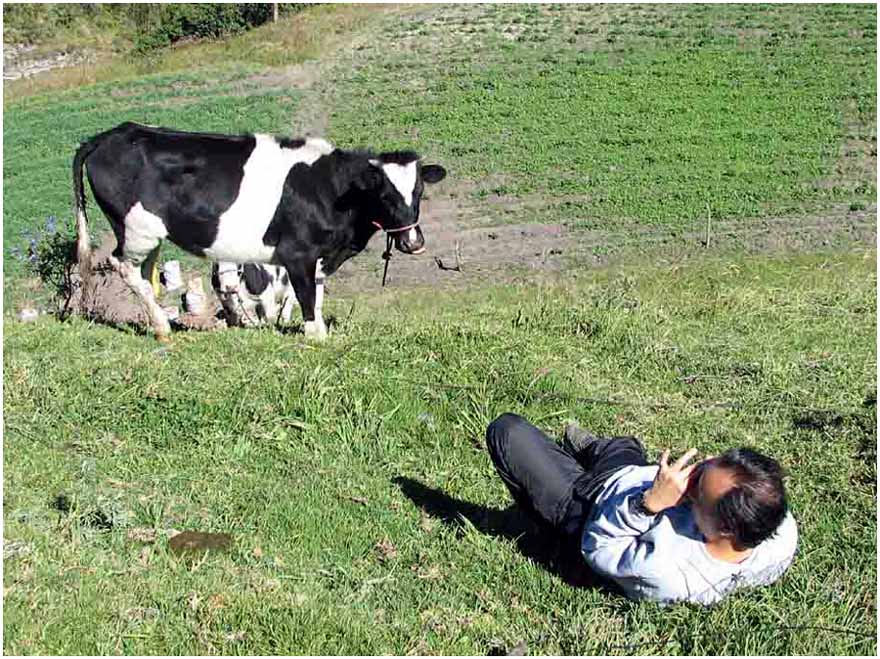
243	225
318	145
143	232
316	330
402	177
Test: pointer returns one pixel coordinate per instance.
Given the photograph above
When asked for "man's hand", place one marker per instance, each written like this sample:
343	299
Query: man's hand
671	482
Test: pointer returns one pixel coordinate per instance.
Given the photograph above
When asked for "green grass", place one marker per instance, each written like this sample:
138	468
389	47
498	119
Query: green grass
656	114
294	450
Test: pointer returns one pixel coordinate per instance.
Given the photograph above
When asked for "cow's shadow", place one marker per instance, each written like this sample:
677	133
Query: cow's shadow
543	548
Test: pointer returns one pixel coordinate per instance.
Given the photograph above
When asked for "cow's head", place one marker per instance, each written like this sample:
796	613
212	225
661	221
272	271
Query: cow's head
226	277
394	183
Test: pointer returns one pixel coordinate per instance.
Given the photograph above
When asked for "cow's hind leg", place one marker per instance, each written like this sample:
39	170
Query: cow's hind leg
131	274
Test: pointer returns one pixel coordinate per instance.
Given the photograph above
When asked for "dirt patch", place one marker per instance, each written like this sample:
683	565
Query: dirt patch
107	299
855	169
509	252
298	76
461	255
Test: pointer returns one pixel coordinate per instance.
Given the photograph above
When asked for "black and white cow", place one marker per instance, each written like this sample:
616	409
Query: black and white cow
299	203
254	294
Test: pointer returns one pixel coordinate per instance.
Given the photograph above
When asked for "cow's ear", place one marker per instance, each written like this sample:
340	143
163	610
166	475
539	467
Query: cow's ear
371	177
433	173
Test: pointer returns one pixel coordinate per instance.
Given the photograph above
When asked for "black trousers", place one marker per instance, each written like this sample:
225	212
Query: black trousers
546	481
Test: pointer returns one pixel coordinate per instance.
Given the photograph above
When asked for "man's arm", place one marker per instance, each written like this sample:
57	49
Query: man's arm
614	544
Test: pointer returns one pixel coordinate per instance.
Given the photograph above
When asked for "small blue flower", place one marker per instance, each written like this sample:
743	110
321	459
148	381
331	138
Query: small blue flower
51	224
33	249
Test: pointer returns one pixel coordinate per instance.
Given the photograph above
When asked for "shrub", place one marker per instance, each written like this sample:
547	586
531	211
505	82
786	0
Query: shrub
163	25
50	255
154	25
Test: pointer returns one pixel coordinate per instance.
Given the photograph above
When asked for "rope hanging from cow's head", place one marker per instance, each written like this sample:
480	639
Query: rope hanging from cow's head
386	255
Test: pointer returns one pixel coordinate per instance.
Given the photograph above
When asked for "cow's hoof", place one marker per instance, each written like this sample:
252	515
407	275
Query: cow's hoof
315	331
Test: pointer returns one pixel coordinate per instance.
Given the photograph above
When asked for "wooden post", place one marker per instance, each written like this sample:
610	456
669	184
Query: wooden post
274	12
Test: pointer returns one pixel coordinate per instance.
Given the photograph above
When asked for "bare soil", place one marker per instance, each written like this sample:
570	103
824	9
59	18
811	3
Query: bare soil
472	255
460	255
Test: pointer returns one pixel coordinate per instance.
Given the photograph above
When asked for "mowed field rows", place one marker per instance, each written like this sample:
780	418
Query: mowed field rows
365	515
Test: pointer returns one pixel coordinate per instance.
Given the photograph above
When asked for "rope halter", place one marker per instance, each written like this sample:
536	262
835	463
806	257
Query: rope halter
386	255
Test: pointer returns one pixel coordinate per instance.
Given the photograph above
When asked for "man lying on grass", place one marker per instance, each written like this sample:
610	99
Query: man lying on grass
670	533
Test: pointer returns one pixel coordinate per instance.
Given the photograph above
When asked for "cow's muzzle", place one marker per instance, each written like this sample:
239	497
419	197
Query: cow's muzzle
410	241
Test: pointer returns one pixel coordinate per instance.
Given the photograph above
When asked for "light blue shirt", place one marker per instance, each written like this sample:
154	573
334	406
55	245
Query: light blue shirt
663	557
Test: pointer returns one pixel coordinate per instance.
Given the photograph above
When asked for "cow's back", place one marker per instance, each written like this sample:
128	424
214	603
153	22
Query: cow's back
213	195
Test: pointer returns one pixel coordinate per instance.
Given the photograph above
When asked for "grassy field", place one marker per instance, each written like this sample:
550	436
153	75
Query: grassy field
291	41
365	513
659	114
299	453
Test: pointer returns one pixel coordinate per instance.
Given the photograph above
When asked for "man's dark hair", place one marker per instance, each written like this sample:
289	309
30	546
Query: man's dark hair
755	506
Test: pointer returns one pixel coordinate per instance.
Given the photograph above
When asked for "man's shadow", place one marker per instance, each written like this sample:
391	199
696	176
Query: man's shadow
543	547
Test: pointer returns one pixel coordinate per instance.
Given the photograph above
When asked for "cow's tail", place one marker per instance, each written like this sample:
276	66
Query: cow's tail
83	247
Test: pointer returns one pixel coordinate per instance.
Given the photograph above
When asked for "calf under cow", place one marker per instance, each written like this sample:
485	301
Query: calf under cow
298	203
255	294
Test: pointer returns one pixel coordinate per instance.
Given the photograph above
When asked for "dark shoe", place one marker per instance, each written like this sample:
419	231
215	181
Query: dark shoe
576	439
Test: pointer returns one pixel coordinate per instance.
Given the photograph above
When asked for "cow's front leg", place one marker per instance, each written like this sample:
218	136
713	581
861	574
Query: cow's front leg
302	276
319	296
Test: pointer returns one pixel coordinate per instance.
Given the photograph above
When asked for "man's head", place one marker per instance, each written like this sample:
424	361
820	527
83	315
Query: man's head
739	495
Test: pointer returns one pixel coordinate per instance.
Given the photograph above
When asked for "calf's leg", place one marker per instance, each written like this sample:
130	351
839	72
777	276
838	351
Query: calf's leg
150	270
287	307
